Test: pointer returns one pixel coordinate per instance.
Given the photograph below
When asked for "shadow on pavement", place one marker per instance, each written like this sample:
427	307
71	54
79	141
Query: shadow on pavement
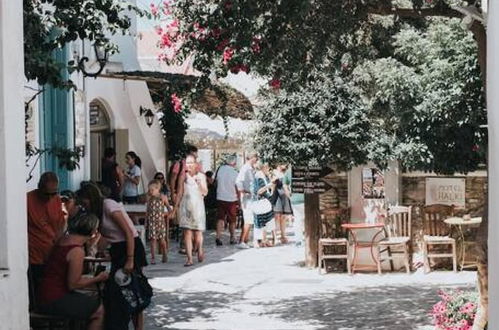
175	265
368	308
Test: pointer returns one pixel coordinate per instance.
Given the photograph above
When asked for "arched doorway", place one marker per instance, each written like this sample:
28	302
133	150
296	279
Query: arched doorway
101	137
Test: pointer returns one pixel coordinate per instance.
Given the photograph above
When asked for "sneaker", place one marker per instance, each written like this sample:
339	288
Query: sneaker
242	246
232	241
218	242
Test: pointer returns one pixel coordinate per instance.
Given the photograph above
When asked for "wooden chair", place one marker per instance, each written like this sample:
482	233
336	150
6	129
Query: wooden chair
40	321
436	233
331	238
398	240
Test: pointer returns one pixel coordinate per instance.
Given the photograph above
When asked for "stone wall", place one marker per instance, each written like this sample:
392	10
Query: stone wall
334	206
413	194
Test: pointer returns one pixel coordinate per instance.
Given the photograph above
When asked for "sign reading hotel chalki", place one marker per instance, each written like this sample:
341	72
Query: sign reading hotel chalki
447	191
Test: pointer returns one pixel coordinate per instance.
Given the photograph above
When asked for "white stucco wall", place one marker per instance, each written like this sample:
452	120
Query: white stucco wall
123	99
493	122
13	231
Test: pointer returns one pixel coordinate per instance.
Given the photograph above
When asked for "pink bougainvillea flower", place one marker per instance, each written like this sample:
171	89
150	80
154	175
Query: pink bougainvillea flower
275	83
176	102
255	45
174	24
154	9
221	46
166	41
216	32
244	68
475	148
227	55
158	29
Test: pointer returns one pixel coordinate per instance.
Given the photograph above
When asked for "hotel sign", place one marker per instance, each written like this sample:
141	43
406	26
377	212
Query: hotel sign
447	191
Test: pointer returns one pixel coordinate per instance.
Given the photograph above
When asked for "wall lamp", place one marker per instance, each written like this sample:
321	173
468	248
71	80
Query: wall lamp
148	115
101	54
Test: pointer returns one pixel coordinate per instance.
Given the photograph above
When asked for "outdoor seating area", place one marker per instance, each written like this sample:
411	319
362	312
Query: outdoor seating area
390	243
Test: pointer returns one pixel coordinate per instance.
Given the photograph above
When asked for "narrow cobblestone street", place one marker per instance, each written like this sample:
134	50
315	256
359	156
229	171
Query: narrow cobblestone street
269	289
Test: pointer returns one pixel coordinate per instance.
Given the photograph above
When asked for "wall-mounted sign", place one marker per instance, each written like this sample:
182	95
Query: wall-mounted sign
447	191
307	180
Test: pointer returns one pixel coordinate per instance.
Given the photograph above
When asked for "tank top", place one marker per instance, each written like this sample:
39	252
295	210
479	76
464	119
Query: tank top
54	285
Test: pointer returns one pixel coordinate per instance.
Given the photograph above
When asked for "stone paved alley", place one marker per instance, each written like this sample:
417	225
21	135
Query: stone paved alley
269	289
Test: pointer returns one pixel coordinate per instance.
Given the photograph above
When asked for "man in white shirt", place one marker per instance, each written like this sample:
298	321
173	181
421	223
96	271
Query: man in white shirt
227	200
244	183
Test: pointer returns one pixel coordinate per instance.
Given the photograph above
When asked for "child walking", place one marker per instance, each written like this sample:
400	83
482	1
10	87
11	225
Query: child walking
155	220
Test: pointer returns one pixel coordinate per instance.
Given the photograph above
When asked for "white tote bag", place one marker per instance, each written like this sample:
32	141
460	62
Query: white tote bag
261	206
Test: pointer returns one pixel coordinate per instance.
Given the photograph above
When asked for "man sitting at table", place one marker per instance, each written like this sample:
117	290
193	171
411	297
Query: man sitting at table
46	223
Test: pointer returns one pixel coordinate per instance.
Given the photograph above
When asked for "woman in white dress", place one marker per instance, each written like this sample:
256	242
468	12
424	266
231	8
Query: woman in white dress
192	211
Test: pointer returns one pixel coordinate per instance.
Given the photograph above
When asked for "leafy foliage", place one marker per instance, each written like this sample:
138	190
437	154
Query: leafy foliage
51	24
285	40
320	124
429	97
418	76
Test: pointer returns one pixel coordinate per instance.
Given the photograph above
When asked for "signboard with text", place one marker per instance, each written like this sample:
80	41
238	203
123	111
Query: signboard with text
307	180
447	191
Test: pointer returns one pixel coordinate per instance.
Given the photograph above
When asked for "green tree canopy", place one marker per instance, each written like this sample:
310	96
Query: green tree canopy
51	24
429	97
319	124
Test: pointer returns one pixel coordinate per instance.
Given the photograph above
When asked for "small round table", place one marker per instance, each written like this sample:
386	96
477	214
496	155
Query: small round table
353	228
459	223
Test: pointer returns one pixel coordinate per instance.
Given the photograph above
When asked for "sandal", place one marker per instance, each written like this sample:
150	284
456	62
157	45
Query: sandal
284	240
269	244
153	262
188	264
164	259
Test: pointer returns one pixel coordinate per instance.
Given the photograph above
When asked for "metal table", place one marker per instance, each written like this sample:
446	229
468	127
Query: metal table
459	223
353	228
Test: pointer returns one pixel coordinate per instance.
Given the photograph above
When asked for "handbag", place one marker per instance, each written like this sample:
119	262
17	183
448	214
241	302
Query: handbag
261	206
137	294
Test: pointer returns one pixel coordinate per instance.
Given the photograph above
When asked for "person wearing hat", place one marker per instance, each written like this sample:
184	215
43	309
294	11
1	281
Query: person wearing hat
64	274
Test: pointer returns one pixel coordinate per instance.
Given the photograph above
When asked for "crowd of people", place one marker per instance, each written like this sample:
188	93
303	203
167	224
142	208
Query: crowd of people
261	195
65	228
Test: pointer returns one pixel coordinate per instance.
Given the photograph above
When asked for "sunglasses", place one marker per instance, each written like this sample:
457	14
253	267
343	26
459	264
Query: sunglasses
160	178
52	193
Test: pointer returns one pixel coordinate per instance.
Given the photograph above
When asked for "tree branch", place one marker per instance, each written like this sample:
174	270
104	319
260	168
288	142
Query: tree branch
407	12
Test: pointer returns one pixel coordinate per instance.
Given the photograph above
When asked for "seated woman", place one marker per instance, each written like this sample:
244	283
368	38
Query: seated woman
63	275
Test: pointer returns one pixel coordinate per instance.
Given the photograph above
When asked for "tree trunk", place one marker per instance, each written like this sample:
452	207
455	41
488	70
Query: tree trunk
312	227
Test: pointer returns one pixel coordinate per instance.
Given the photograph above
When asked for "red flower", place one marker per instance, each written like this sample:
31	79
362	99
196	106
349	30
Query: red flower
166	41
255	45
475	148
176	102
216	32
227	55
275	83
244	68
221	46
